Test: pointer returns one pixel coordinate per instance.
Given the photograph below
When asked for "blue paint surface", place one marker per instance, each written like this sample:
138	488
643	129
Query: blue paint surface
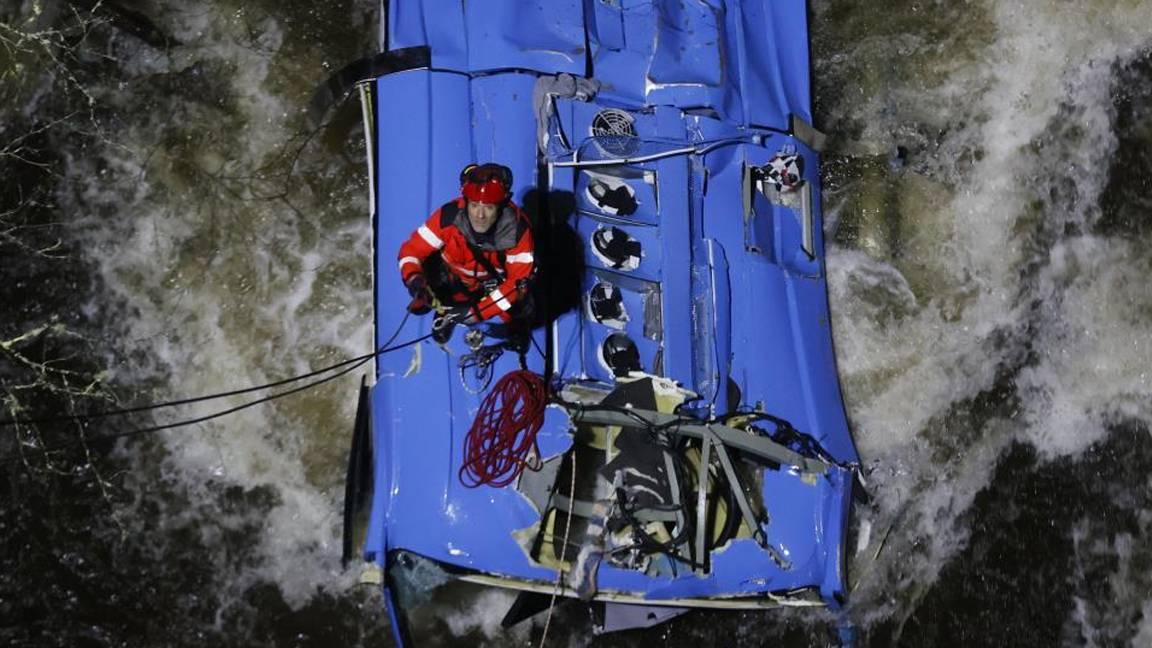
740	302
748	61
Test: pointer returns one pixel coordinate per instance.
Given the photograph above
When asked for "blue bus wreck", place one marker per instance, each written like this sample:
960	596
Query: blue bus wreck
694	451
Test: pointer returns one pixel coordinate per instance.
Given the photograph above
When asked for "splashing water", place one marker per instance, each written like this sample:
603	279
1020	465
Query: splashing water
987	288
976	306
240	244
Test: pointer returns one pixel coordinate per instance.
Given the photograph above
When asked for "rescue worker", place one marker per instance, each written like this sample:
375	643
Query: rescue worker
474	255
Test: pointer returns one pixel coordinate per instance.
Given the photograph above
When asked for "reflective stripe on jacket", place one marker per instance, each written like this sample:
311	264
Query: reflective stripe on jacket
510	251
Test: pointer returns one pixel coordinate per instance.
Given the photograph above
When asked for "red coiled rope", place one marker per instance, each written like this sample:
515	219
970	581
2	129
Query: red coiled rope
502	440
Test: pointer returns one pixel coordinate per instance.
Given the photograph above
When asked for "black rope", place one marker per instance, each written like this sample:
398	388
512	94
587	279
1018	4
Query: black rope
358	361
349	366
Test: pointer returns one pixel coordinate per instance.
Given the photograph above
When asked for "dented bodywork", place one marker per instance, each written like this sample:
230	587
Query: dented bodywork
697	453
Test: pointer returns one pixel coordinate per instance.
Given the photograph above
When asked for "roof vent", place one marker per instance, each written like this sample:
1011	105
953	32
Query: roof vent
606	303
611	195
620	354
614	131
616	249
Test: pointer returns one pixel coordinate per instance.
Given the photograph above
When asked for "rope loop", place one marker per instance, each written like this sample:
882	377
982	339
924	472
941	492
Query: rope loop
502	440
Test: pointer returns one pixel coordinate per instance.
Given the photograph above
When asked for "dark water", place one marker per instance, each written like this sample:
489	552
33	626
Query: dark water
170	225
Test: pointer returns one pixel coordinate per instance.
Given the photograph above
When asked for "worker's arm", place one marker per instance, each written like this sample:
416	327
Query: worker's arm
427	238
519	262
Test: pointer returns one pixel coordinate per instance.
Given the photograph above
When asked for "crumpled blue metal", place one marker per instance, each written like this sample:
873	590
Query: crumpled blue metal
743	315
747	61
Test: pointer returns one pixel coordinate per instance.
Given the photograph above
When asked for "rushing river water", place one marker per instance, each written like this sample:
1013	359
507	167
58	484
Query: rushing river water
989	195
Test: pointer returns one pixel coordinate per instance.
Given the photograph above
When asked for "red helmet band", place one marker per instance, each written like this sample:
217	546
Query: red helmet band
491	191
486	183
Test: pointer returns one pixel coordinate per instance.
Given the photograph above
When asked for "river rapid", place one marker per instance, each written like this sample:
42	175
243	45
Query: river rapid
988	201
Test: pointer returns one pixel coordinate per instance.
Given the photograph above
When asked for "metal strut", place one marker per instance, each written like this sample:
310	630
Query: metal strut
759	446
718	439
711	439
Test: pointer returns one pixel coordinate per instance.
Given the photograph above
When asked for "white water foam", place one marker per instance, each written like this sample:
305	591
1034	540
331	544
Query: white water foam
235	290
1123	614
1033	116
1092	346
484	613
1144	634
229	284
1096	362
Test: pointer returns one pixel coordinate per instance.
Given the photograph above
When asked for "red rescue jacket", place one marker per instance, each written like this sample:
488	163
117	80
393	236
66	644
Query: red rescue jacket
509	251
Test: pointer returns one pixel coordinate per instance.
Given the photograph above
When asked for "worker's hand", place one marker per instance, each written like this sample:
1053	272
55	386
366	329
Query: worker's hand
417	285
419	304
